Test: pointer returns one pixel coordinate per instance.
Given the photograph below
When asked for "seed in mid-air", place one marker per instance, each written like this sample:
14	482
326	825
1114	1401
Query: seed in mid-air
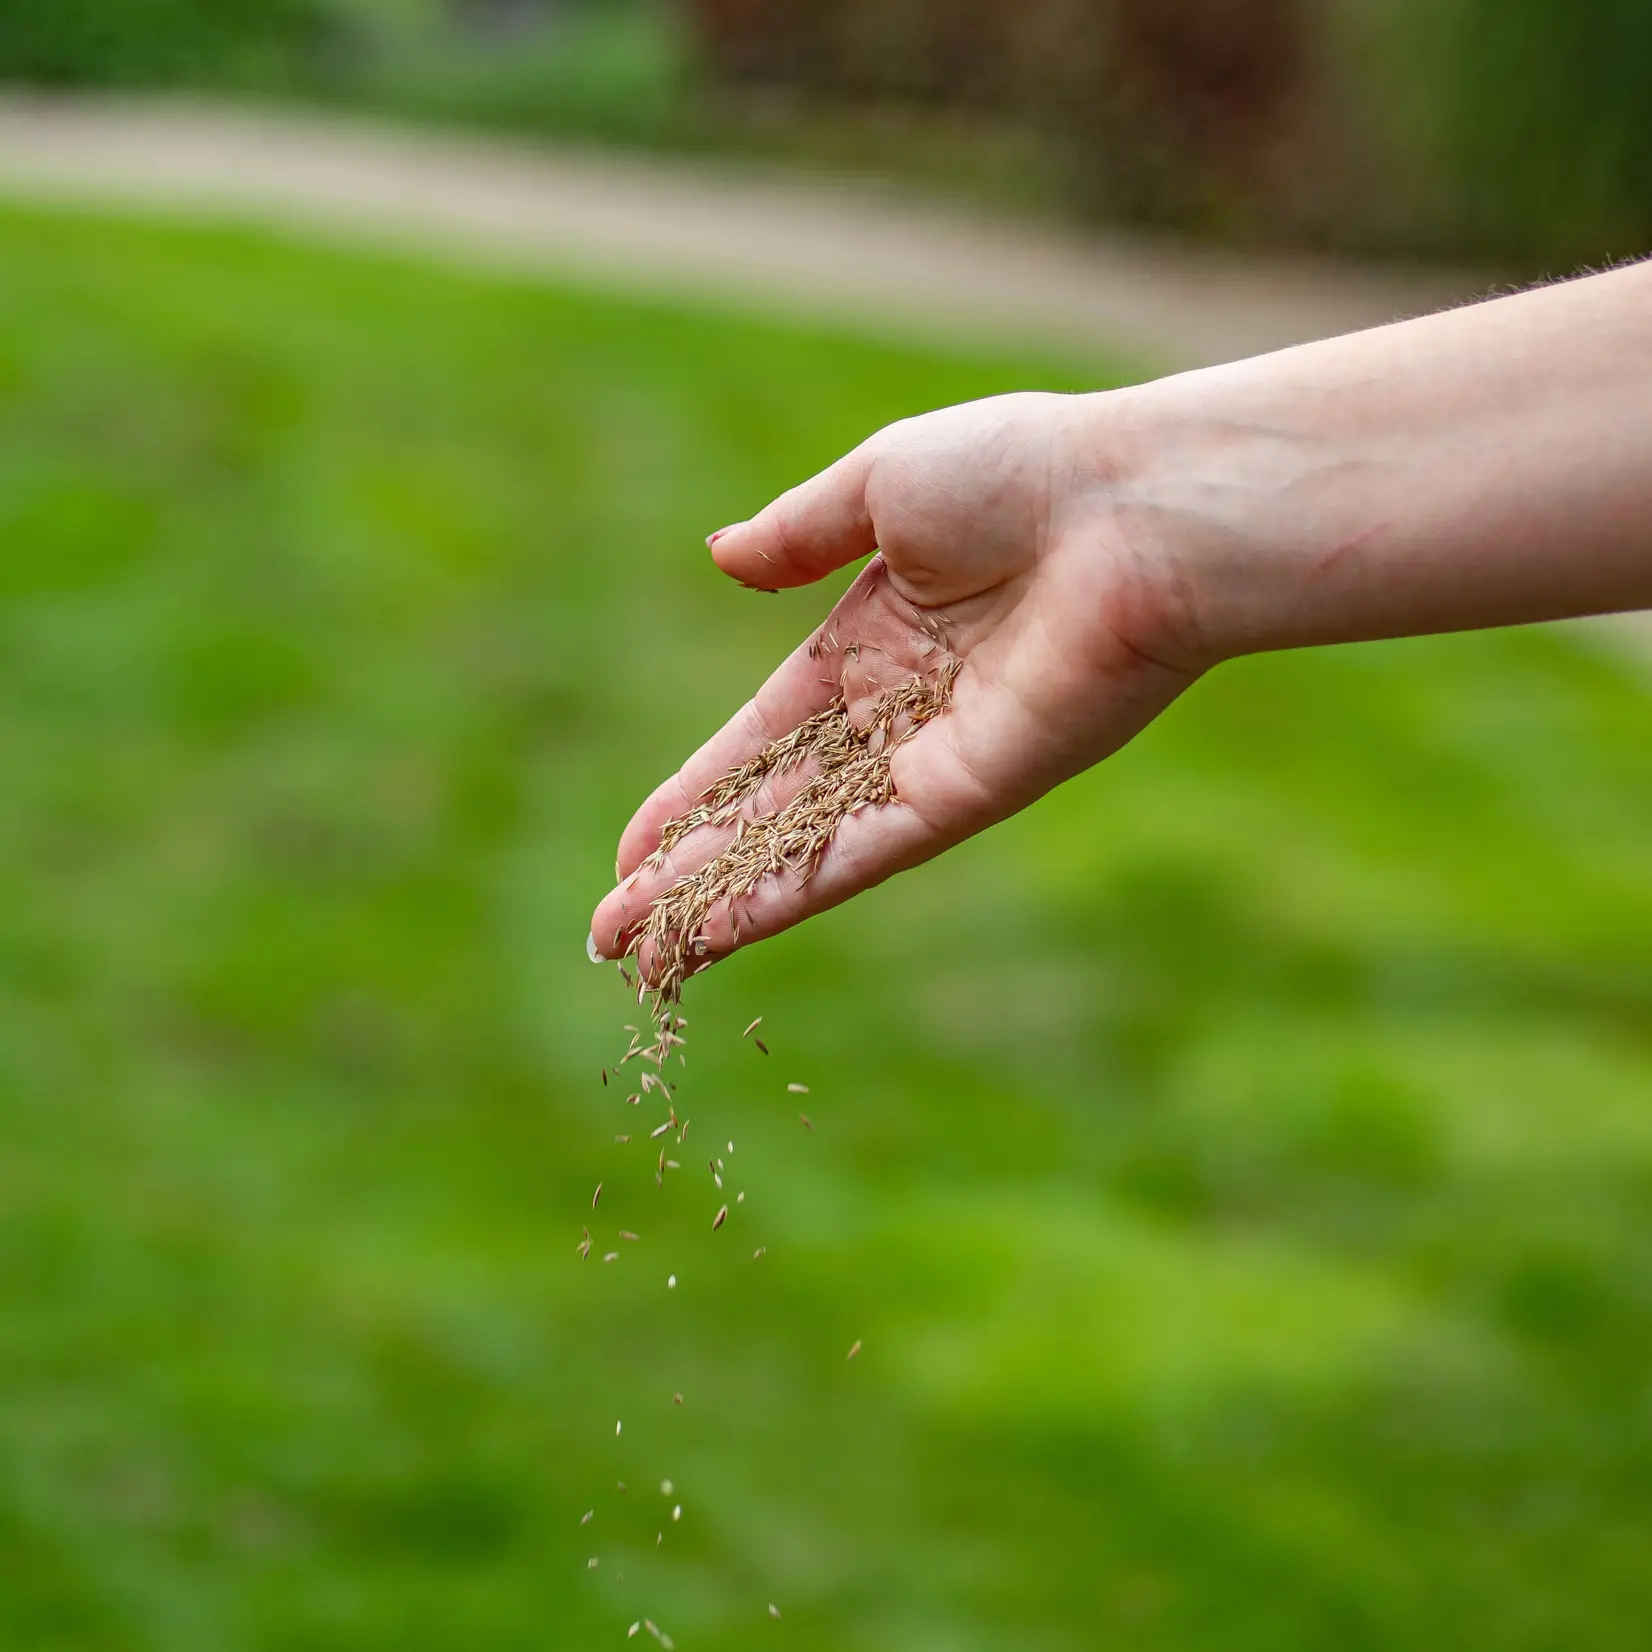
671	1283
855	1350
676	1399
798	1089
761	1045
758	1254
666	1488
634	1238
774	1611
805	1121
596	1196
586	1518
752	1028
677	1513
619	1428
605	1078
592	1564
718	1220
622	1140
612	1256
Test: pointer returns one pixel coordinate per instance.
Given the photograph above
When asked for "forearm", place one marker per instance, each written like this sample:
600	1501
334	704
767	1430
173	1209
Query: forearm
1487	466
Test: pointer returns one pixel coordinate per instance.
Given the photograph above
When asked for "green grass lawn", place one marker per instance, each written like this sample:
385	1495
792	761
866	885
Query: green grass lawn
1239	1169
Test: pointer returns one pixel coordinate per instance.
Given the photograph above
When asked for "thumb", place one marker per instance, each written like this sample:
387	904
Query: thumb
806	533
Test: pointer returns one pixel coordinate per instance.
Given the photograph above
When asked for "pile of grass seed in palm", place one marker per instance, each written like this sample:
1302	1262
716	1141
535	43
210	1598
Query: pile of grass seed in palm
852	772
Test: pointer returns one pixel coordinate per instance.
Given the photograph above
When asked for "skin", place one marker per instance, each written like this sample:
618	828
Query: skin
1090	556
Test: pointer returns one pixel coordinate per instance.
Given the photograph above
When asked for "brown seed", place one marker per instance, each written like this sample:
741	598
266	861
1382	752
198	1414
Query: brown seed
595	1196
761	1045
622	1140
805	1120
605	1078
718	1220
676	1399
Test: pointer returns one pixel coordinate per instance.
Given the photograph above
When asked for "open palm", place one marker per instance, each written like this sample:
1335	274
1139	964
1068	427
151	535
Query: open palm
996	530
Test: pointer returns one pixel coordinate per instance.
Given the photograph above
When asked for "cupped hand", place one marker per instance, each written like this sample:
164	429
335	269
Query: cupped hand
996	527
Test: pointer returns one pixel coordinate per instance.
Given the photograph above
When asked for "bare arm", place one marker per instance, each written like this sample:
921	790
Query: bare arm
1091	555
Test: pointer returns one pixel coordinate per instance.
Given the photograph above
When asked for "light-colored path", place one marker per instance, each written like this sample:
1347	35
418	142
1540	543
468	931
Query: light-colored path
751	238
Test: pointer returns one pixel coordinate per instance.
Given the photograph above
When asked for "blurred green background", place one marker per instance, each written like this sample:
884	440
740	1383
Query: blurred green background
1239	1169
1511	133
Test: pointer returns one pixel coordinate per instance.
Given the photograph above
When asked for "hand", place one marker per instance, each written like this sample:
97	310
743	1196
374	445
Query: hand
994	524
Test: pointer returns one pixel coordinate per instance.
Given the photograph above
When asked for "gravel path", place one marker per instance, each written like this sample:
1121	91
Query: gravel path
745	237
749	237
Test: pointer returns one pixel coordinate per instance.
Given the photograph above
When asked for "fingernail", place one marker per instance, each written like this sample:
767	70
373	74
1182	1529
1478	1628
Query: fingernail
712	538
591	950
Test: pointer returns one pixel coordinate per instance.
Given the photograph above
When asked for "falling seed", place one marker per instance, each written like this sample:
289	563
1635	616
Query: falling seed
774	1612
806	1121
622	1488
584	1246
586	1518
659	1540
631	1101
671	1164
741	1200
752	1028
596	1196
798	1089
612	1256
731	1147
634	1238
666	1488
622	1140
718	1220
761	1045
671	1283
605	1078
650	1628
667	1643
677	1513
855	1350
758	1254
676	1399
631	1633
654	1135
618	1427
682	1135
592	1564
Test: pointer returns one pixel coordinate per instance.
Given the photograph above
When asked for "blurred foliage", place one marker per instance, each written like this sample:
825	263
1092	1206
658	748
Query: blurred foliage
1513	130
1238	1167
1519	129
167	42
1524	126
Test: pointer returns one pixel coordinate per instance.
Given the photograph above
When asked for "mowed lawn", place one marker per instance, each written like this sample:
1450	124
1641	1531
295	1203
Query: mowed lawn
1238	1170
